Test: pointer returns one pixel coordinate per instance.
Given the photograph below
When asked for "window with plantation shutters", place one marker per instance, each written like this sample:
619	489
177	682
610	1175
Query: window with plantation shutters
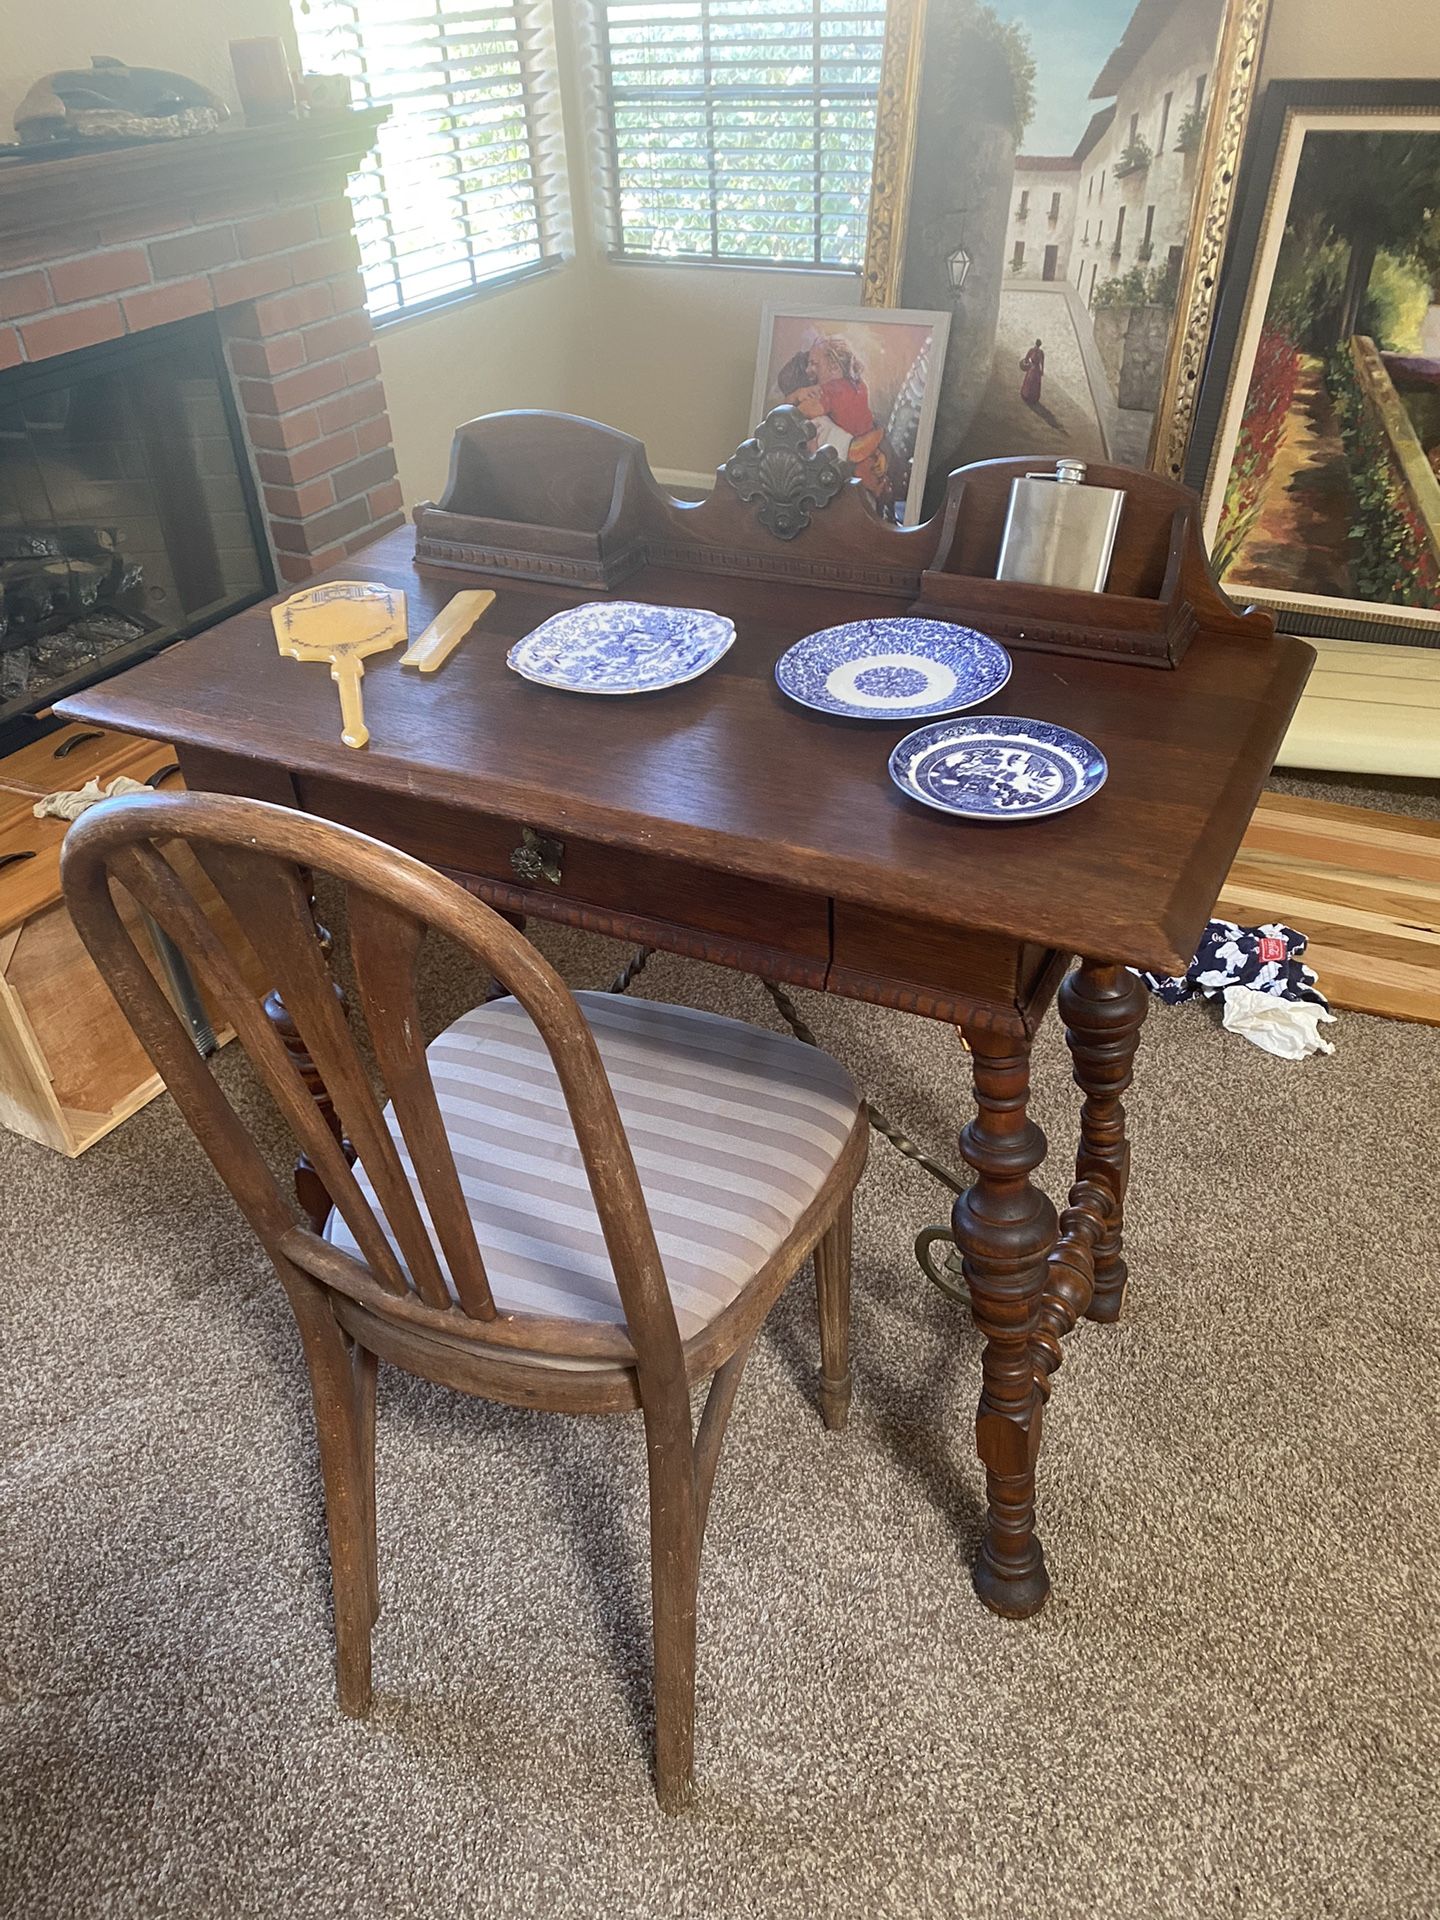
463	187
739	130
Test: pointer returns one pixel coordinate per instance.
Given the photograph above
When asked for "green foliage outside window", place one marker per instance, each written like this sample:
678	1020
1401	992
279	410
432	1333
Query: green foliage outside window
742	129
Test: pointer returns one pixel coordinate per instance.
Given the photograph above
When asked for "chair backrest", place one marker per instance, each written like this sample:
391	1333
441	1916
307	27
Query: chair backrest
260	859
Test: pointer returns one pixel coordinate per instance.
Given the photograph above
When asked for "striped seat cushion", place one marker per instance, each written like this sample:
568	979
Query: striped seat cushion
734	1131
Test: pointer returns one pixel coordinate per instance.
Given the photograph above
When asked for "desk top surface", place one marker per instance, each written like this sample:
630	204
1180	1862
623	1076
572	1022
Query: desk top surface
727	772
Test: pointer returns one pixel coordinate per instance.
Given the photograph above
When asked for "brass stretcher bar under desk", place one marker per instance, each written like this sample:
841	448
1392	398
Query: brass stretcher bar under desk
719	820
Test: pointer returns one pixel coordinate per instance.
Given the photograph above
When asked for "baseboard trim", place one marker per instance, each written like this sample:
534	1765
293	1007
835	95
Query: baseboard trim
680	477
1368	709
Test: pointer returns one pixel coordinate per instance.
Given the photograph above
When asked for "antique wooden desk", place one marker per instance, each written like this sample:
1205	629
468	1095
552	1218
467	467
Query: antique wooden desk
718	820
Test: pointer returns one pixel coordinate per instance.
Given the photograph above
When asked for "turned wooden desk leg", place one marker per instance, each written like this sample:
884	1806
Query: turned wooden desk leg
1103	1007
1006	1227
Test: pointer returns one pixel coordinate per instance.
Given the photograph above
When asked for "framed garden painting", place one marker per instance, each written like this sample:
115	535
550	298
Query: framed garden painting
867	384
1059	175
1317	446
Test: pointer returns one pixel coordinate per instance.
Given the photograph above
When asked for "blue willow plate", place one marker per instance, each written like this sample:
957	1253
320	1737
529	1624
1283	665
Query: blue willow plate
897	669
995	767
622	646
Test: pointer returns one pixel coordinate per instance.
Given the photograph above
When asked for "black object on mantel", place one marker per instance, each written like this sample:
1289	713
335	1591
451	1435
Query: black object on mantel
113	104
545	496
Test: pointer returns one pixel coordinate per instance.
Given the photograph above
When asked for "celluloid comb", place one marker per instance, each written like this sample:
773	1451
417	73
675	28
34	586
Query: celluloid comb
342	622
445	632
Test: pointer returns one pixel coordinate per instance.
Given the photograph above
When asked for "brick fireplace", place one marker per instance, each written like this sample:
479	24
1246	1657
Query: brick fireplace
254	226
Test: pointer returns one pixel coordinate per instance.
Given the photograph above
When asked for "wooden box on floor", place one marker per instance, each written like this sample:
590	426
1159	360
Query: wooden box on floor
70	1068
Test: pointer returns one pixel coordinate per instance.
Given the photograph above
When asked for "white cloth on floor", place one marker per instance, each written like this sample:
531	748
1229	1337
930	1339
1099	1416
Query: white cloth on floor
1287	1028
70	803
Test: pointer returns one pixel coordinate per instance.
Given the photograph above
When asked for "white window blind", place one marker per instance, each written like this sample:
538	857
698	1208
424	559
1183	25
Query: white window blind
739	130
464	186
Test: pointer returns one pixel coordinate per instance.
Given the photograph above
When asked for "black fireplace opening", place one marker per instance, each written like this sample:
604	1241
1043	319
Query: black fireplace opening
128	514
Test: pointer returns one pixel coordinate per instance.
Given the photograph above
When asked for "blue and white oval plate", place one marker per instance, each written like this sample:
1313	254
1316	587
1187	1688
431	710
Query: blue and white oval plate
622	646
899	669
996	767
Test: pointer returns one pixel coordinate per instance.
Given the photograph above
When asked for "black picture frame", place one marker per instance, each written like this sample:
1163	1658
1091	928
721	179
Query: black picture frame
1257	210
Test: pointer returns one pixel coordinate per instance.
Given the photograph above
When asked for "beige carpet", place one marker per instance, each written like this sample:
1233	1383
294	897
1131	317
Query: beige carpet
1229	1707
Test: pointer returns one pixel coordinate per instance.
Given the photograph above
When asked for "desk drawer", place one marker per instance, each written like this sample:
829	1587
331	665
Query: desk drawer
643	886
923	960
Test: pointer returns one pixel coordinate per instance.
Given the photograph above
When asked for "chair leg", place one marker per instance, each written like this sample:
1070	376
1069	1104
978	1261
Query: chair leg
674	1573
367	1368
341	1426
713	1420
832	1285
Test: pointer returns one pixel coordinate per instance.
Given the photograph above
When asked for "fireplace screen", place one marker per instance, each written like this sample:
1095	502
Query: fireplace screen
127	514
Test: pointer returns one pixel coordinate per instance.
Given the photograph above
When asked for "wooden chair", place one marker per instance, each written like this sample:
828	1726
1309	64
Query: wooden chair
645	1180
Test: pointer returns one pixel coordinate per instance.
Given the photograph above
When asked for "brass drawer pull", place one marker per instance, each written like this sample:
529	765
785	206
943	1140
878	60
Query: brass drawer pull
538	858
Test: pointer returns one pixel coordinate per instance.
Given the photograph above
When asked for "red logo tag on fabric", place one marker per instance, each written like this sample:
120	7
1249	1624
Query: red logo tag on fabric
1271	948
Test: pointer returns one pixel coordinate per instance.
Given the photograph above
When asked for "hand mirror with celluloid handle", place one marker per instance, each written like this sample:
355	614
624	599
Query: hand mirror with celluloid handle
342	621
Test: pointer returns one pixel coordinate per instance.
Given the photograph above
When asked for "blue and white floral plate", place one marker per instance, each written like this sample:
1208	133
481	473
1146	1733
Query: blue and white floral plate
899	669
622	646
995	767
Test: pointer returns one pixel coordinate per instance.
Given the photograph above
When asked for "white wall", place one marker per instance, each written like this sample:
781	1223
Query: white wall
670	351
1034	229
513	348
1340	39
1181	55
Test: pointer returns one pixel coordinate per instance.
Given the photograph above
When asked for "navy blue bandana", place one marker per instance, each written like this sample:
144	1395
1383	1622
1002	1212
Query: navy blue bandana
1266	958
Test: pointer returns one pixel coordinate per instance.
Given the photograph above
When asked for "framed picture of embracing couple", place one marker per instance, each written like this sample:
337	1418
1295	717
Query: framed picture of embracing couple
868	382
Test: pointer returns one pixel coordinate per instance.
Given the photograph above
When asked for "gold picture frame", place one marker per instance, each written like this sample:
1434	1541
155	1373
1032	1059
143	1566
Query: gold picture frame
1232	83
1388	531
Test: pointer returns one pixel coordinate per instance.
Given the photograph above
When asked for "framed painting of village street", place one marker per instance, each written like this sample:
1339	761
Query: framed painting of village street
1059	174
1317	443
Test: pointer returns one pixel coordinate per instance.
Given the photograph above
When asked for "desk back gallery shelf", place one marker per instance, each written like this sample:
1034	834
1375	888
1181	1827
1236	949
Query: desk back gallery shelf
547	497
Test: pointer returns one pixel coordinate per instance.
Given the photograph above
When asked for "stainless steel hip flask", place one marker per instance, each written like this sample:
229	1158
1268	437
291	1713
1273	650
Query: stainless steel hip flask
1060	532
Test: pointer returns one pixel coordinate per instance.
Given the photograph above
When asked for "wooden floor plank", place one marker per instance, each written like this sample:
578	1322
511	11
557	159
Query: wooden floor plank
1365	821
1361	899
1363	886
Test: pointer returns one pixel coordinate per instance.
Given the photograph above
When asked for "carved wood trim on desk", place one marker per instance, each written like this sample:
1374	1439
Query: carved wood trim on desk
1016	1021
745	956
749	565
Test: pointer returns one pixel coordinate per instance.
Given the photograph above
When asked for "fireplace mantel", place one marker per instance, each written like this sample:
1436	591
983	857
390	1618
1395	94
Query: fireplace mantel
44	198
